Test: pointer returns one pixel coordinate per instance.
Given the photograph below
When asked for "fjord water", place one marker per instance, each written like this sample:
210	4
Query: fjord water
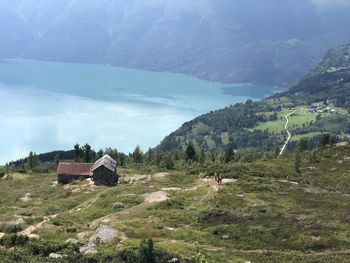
48	106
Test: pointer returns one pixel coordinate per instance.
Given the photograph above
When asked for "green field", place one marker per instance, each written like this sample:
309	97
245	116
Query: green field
296	120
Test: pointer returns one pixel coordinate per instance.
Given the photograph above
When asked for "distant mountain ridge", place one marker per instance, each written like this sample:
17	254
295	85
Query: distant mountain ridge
261	124
264	42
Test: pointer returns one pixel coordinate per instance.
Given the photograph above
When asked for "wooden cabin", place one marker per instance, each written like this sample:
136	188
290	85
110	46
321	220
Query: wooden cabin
68	172
104	171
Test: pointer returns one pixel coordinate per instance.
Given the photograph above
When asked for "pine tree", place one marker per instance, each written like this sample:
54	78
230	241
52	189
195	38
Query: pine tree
77	152
32	160
87	153
297	162
228	154
303	145
190	153
325	140
137	155
146	251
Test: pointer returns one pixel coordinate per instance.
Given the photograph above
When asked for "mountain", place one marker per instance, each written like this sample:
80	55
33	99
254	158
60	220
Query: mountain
330	79
321	100
265	42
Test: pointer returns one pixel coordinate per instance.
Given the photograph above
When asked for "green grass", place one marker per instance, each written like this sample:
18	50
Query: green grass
271	214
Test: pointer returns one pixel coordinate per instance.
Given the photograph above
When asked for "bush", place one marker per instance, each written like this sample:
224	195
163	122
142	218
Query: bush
13	240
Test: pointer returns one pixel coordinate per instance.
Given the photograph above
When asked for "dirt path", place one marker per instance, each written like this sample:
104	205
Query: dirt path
31	229
288	132
213	187
87	203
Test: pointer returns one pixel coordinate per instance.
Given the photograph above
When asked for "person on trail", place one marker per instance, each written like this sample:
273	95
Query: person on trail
219	179
14	230
216	177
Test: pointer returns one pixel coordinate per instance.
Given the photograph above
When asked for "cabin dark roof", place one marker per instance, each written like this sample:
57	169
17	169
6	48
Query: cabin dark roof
105	161
75	169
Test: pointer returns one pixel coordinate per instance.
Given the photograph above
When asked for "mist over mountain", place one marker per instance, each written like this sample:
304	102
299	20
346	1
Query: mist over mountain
266	42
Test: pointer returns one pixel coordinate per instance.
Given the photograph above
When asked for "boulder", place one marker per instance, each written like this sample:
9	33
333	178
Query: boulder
90	248
105	234
55	255
118	205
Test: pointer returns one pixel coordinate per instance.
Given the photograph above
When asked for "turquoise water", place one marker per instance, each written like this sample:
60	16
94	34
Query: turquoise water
48	106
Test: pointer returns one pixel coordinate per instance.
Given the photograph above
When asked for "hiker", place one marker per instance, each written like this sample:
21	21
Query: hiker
14	230
216	177
220	179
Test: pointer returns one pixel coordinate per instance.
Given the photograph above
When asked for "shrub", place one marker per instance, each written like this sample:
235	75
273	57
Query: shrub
13	240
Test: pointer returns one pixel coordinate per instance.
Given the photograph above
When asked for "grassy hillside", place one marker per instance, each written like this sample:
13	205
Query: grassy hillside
264	212
261	124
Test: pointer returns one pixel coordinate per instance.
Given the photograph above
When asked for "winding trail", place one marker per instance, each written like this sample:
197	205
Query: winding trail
288	132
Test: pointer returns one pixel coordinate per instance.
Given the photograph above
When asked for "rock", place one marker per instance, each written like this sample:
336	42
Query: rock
4	177
156	197
118	205
55	255
71	241
19	220
34	236
76	190
104	234
26	197
2	234
160	175
171	189
174	260
225	237
90	248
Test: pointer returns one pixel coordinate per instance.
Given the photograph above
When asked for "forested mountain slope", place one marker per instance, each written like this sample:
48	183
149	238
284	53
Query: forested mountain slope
265	42
321	99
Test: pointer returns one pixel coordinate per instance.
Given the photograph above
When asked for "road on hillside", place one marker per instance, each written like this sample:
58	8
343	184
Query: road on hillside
288	132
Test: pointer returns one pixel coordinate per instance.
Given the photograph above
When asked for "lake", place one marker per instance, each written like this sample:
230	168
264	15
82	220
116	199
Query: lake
48	106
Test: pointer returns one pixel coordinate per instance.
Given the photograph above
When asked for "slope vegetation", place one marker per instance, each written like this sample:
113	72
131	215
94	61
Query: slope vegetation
263	212
322	98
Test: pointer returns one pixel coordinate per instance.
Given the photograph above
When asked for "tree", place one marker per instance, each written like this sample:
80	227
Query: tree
146	251
121	159
112	153
297	162
325	140
190	153
100	154
137	155
32	160
87	153
167	162
201	156
228	154
57	158
149	156
77	152
277	151
303	145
